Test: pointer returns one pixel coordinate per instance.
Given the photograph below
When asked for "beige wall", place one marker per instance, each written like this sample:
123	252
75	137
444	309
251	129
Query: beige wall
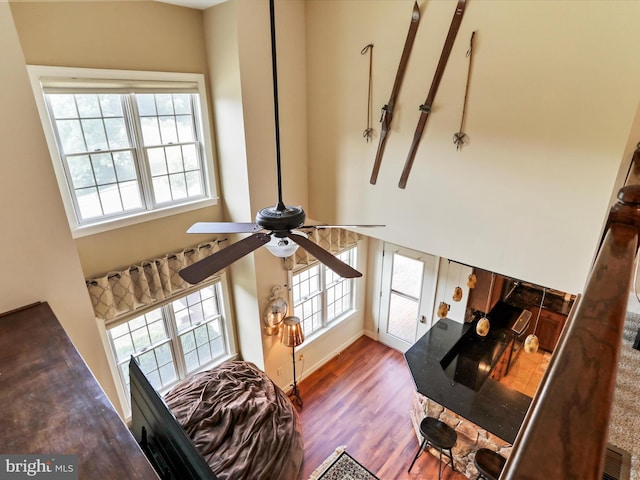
120	35
552	100
223	56
41	263
129	36
138	35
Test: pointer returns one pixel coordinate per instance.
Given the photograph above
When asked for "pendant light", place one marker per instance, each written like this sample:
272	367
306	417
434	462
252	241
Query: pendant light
443	308
483	325
457	292
531	343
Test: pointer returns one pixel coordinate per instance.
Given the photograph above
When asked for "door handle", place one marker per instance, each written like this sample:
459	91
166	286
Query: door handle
422	319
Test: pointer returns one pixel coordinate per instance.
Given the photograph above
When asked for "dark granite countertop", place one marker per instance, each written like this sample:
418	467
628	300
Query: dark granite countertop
494	407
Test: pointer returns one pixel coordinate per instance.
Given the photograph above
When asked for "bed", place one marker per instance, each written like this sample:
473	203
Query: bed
228	423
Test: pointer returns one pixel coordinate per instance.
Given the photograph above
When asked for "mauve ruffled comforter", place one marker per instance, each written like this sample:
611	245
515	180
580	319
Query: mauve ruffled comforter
243	424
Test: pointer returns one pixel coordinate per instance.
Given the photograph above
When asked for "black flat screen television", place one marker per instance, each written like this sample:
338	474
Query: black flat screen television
161	437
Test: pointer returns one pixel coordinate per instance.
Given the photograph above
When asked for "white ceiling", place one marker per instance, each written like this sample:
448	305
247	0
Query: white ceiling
199	4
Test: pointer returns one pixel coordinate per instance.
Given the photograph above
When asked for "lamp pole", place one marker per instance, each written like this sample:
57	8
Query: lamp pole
295	393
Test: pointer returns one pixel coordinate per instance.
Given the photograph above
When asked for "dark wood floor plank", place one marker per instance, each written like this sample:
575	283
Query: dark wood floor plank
361	398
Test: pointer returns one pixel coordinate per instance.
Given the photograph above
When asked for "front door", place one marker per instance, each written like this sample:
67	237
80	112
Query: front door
407	296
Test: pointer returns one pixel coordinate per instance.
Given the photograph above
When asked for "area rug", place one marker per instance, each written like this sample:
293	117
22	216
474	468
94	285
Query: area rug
341	466
625	414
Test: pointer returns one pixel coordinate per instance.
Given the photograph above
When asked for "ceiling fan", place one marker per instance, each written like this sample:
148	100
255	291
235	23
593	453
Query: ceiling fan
275	226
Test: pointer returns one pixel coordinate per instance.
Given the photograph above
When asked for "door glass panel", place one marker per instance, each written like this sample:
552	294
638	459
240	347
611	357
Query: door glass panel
402	317
406	285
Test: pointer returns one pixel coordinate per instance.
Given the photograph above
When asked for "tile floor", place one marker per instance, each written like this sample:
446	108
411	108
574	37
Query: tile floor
526	373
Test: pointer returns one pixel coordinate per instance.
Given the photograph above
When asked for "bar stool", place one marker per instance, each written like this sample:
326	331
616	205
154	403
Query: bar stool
489	464
440	436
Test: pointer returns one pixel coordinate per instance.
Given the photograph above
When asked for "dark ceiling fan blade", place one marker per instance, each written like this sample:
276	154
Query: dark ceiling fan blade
322	225
224	227
214	263
325	257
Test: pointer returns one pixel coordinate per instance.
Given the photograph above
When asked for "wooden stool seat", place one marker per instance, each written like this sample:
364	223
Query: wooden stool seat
489	464
440	436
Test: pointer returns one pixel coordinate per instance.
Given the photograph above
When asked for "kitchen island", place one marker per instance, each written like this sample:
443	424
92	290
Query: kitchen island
452	369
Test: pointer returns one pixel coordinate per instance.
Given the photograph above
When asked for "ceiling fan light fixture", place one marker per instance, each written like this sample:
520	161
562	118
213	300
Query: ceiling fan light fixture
283	247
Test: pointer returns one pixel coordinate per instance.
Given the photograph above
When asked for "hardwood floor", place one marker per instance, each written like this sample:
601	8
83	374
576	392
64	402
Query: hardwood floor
361	399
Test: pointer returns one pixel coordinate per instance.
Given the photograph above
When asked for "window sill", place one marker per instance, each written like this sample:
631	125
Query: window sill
87	230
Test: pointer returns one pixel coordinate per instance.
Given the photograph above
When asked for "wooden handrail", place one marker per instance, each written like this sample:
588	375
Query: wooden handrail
564	435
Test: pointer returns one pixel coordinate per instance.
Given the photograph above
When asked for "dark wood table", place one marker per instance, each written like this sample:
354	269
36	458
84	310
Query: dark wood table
51	403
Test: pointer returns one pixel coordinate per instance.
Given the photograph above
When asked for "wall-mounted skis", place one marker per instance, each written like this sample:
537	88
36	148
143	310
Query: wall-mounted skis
425	108
387	110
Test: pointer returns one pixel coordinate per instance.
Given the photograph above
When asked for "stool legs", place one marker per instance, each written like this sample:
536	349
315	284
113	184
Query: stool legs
450	455
423	446
453	465
420	448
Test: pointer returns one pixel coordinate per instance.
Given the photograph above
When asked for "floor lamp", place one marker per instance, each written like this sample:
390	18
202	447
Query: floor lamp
292	336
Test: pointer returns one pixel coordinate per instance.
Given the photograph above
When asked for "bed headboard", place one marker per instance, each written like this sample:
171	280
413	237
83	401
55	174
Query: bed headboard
161	437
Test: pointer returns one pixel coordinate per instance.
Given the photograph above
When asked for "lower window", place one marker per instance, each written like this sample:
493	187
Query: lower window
321	296
174	340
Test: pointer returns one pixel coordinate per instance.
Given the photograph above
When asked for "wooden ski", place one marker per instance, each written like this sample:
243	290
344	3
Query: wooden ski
425	108
387	110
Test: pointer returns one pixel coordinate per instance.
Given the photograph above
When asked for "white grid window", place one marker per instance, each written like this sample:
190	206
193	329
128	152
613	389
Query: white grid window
320	296
126	146
199	325
170	342
97	135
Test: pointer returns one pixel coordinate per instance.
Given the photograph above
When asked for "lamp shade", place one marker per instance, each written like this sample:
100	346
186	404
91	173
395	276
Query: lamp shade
483	326
531	344
292	334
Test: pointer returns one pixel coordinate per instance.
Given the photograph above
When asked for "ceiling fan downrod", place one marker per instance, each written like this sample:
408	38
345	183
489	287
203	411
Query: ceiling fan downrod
276	110
279	217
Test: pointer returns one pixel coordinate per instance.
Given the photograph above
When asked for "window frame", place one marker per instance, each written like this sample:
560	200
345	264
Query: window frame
123	78
325	323
173	334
